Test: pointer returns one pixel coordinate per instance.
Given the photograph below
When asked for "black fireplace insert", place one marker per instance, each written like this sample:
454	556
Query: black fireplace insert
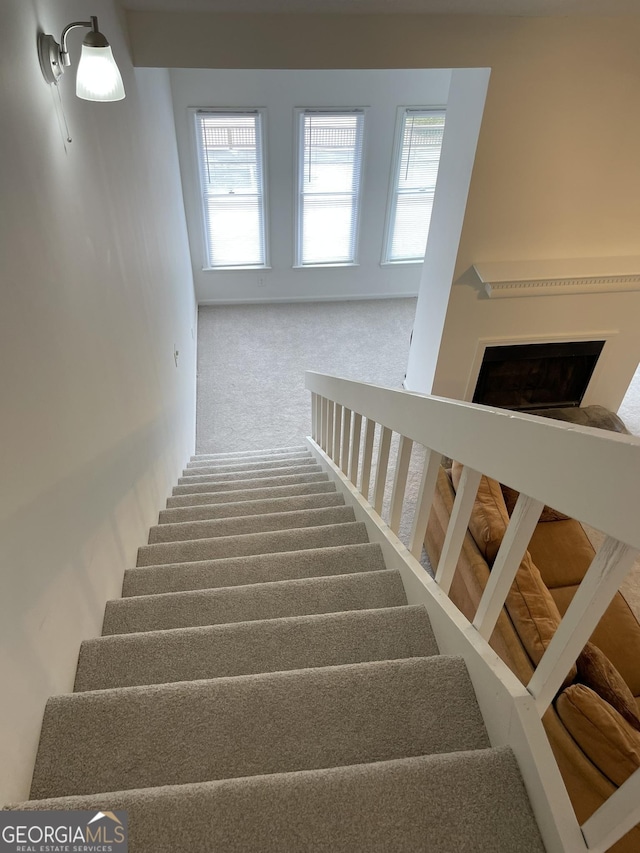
526	377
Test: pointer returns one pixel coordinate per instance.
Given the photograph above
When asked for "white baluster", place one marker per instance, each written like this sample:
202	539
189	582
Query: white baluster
609	568
354	459
324	414
457	527
369	433
314	416
381	469
615	817
512	549
400	482
346	435
425	499
337	433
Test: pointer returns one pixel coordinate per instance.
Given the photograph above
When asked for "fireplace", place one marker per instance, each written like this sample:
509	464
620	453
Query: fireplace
526	377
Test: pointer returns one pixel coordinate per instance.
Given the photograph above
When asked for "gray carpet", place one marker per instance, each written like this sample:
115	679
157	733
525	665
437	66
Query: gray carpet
251	363
195	731
354	591
461	802
257	568
252	358
247	648
266	687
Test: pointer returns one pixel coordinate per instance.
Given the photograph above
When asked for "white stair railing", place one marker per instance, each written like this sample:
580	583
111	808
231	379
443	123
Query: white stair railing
589	475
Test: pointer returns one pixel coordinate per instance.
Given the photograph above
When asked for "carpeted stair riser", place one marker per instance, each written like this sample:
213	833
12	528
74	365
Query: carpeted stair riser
269	723
246	648
252	454
322	486
237	526
246	460
258	568
362	591
259	483
463	802
350	533
256	507
237	467
230	476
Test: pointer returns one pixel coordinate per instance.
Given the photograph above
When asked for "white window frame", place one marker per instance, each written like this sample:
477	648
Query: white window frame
261	126
299	113
393	183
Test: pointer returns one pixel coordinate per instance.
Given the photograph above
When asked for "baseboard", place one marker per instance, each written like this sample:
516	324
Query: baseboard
367	297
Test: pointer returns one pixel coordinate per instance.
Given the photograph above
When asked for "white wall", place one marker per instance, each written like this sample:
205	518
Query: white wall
474	320
96	289
280	92
467	94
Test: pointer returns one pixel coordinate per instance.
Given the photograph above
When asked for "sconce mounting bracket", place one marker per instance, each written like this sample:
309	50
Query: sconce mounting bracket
50	58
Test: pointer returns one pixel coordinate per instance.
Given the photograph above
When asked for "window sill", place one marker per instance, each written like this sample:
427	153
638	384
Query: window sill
233	269
401	263
322	266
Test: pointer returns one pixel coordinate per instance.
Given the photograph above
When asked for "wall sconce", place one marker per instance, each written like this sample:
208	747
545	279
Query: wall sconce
98	77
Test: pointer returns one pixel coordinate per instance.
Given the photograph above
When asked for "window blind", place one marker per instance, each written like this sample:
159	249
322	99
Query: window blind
329	176
416	171
230	155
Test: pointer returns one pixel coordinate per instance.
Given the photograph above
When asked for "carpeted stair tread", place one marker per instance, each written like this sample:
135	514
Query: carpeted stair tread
301	597
229	476
265	457
250	507
252	483
196	731
240	454
322	486
238	525
236	467
463	802
245	648
257	568
349	533
277	461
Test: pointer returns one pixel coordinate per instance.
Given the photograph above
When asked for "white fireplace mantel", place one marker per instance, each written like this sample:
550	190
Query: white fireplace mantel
555	277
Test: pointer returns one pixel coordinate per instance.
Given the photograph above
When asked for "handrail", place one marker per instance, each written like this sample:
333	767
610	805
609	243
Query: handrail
493	440
586	473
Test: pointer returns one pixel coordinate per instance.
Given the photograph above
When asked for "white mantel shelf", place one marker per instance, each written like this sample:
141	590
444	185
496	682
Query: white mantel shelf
556	277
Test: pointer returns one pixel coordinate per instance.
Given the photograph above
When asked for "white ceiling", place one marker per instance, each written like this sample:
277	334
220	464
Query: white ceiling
530	8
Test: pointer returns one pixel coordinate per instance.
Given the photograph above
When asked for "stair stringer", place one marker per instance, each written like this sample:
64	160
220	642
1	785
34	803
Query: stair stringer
508	709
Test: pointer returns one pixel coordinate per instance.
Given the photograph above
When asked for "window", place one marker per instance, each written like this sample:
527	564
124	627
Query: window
417	156
329	171
231	163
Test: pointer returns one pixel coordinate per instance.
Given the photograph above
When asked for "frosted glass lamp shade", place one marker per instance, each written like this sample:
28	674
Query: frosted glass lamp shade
98	77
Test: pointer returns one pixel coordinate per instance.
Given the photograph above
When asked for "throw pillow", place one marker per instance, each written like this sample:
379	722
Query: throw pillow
600	731
489	518
597	672
511	496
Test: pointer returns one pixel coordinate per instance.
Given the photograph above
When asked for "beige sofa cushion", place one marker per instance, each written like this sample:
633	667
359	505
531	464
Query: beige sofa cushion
617	634
489	518
600	731
562	551
531	607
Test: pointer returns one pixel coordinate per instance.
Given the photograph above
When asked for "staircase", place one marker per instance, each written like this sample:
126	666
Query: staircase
262	685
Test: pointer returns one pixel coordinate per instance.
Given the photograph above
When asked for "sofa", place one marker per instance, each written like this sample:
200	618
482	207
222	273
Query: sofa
594	723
